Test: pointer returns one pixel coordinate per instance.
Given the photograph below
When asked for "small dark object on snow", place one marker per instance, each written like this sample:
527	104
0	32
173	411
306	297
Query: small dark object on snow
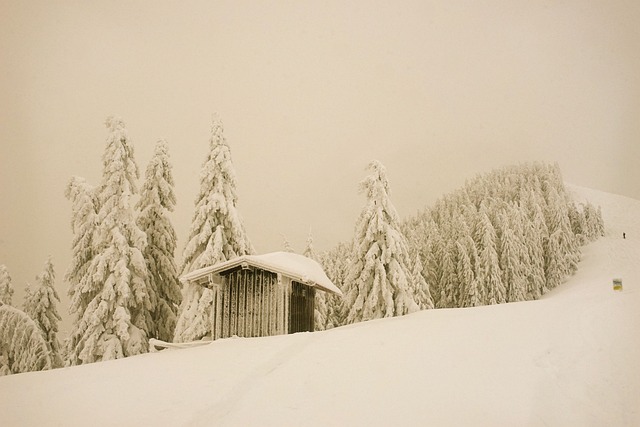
624	235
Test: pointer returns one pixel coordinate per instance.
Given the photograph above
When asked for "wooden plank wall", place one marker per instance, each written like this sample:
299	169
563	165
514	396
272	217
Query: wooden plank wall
251	303
301	311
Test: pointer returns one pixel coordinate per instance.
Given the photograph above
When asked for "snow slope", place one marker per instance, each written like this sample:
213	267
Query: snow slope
569	359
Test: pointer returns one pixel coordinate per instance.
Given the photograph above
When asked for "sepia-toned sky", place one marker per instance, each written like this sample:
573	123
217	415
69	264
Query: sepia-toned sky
309	93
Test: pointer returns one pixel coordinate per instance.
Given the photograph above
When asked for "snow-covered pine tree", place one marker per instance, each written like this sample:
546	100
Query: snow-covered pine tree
513	271
488	271
535	234
600	222
320	306
286	245
84	214
309	250
116	319
6	289
563	253
470	291
41	305
431	238
578	224
380	272
23	347
336	264
593	223
537	204
448	277
421	286
157	199
217	234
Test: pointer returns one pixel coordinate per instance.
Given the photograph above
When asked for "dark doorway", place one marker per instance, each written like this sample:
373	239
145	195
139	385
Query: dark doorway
301	308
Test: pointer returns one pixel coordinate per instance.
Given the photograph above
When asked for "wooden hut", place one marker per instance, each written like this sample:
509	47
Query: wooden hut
263	295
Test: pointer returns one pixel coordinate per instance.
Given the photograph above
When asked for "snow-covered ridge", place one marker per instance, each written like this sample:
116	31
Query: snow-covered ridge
568	359
620	213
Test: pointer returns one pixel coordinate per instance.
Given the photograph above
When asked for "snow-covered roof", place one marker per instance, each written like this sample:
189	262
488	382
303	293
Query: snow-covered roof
297	267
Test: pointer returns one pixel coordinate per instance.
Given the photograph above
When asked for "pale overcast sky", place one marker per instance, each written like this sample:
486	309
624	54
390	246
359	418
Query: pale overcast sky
309	93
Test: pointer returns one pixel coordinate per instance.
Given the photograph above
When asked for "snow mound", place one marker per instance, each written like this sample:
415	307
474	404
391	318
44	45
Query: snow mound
568	359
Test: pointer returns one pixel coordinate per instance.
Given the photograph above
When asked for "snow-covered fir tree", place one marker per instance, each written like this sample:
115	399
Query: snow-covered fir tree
335	263
157	199
84	207
115	285
379	274
23	347
563	252
320	303
535	233
41	305
448	277
592	222
514	262
6	289
309	250
217	234
471	293
286	245
84	214
421	286
488	269
525	205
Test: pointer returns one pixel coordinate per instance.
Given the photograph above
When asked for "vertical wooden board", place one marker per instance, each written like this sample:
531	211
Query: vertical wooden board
263	308
287	301
254	298
218	326
249	286
268	302
254	287
233	301
241	305
303	308
258	304
292	308
232	304
312	309
247	319
212	315
238	299
272	305
245	306
279	305
299	306
265	305
296	307
236	303
226	308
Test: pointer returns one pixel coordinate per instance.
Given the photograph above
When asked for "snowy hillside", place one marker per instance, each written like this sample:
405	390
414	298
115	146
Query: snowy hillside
571	358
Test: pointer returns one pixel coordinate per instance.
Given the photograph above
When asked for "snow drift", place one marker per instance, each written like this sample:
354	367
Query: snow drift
570	358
